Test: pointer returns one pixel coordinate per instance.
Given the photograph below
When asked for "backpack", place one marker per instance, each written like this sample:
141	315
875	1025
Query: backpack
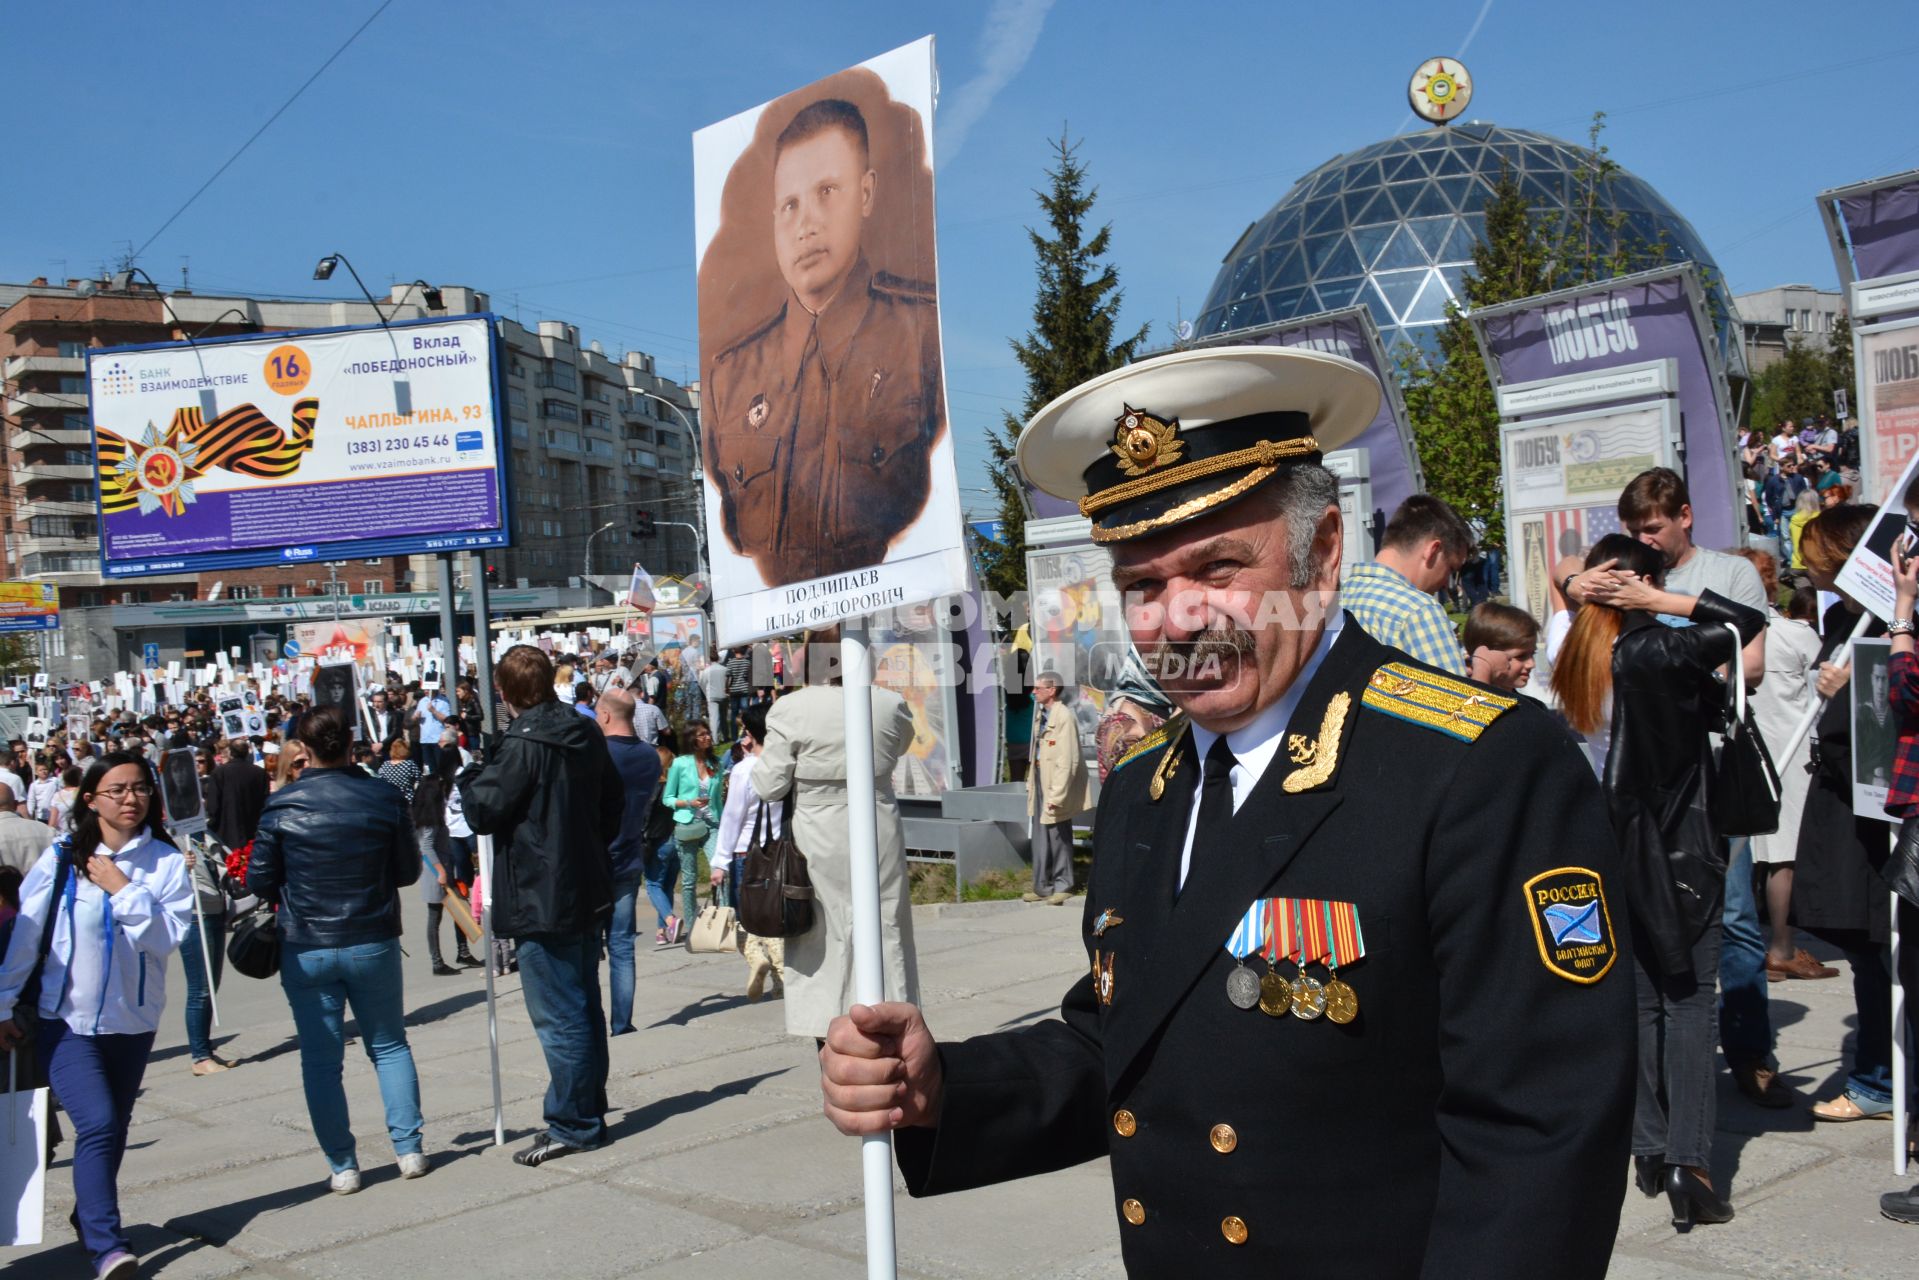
1848	455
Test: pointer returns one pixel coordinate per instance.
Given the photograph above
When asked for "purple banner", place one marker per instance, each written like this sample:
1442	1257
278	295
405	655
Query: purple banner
1389	454
1341	333
1883	229
1625	324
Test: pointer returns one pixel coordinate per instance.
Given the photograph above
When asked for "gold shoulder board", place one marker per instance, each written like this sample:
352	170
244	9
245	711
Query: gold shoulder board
1167	732
1435	700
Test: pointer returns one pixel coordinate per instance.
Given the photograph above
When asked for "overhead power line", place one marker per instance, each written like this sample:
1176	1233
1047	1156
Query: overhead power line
255	136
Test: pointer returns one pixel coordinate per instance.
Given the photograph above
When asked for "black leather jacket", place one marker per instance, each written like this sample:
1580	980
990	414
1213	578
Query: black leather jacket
333	850
1666	700
552	799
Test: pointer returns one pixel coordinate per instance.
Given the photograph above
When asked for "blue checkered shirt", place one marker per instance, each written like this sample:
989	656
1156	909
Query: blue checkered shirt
1397	613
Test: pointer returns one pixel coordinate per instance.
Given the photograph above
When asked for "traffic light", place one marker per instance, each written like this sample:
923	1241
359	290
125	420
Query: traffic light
643	526
493	575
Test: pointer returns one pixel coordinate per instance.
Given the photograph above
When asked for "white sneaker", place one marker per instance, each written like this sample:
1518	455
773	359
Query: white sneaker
413	1165
346	1182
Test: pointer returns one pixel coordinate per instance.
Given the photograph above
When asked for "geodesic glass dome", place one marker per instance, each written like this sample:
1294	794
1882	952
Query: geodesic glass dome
1393	226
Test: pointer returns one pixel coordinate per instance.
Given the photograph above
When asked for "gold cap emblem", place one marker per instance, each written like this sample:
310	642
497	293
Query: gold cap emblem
1143	443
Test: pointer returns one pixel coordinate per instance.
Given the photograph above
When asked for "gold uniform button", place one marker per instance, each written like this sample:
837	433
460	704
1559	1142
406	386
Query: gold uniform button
1125	1124
1136	1212
1234	1229
1223	1138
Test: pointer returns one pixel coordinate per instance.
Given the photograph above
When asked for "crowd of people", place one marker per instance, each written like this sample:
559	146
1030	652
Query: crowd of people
1649	703
612	778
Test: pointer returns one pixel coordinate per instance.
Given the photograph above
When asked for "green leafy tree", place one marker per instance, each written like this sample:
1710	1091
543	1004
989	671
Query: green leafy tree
1075	317
1797	385
1524	251
18	656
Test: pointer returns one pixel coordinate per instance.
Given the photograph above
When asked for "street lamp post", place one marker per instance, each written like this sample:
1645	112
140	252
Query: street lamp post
699	499
586	570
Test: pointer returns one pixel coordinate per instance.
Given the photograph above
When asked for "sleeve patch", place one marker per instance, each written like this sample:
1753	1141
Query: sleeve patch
1417	696
1572	923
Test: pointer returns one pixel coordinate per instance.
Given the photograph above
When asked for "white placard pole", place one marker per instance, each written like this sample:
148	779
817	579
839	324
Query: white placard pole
492	1006
1807	721
869	970
199	915
1898	1052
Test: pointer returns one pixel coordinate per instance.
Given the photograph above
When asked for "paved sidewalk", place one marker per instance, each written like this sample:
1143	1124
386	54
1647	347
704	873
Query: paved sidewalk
721	1166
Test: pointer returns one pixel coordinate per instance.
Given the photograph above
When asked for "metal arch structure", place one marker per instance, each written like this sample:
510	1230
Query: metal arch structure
1392	227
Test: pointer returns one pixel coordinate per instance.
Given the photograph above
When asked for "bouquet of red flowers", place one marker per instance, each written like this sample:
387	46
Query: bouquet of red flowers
236	869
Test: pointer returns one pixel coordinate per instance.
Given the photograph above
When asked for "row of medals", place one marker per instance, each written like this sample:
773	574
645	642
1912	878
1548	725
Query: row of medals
1306	997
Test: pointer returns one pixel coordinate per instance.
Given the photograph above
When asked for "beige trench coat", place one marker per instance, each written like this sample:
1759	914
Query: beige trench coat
1061	765
806	752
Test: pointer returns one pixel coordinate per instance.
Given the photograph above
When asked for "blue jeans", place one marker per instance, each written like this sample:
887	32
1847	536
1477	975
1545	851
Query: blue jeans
619	951
662	872
1745	1020
463	848
320	983
96	1079
199	1009
560	980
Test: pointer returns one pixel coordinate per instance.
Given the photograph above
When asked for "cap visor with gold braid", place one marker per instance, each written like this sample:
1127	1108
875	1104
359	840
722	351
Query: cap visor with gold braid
1176	437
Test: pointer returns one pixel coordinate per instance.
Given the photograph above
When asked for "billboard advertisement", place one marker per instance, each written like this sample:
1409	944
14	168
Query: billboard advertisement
297	446
29	606
677	635
1633	322
1563	476
831	486
1078	630
913	655
1886	357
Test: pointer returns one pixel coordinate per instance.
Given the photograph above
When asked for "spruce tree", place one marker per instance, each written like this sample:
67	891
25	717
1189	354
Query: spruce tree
1075	314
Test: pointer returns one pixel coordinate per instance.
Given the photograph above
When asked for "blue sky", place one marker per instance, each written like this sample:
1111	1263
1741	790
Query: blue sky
542	152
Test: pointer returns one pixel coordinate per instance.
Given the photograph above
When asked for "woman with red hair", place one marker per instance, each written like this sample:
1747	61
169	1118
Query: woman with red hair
1657	687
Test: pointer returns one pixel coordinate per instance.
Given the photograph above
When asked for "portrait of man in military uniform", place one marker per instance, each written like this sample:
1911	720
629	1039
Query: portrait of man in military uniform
823	407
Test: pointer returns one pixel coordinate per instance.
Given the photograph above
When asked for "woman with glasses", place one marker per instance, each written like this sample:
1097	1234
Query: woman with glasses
117	897
333	850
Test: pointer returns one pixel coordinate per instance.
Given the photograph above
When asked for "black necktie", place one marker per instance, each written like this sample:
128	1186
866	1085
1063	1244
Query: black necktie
1215	792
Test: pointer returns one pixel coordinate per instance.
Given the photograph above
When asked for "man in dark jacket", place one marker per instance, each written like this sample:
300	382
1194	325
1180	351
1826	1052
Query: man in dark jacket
639	766
551	798
236	793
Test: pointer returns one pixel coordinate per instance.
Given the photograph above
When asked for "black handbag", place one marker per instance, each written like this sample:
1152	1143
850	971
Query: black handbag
1744	800
26	1008
253	948
776	894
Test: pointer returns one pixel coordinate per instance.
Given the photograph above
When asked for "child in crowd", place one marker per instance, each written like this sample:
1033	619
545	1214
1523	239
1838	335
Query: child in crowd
1501	645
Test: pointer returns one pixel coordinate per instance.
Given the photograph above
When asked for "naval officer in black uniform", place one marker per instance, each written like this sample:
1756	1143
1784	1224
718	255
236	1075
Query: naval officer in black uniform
821	420
1353	1003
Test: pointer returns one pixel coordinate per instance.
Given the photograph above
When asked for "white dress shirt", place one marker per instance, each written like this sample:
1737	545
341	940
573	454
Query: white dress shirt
1255	745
